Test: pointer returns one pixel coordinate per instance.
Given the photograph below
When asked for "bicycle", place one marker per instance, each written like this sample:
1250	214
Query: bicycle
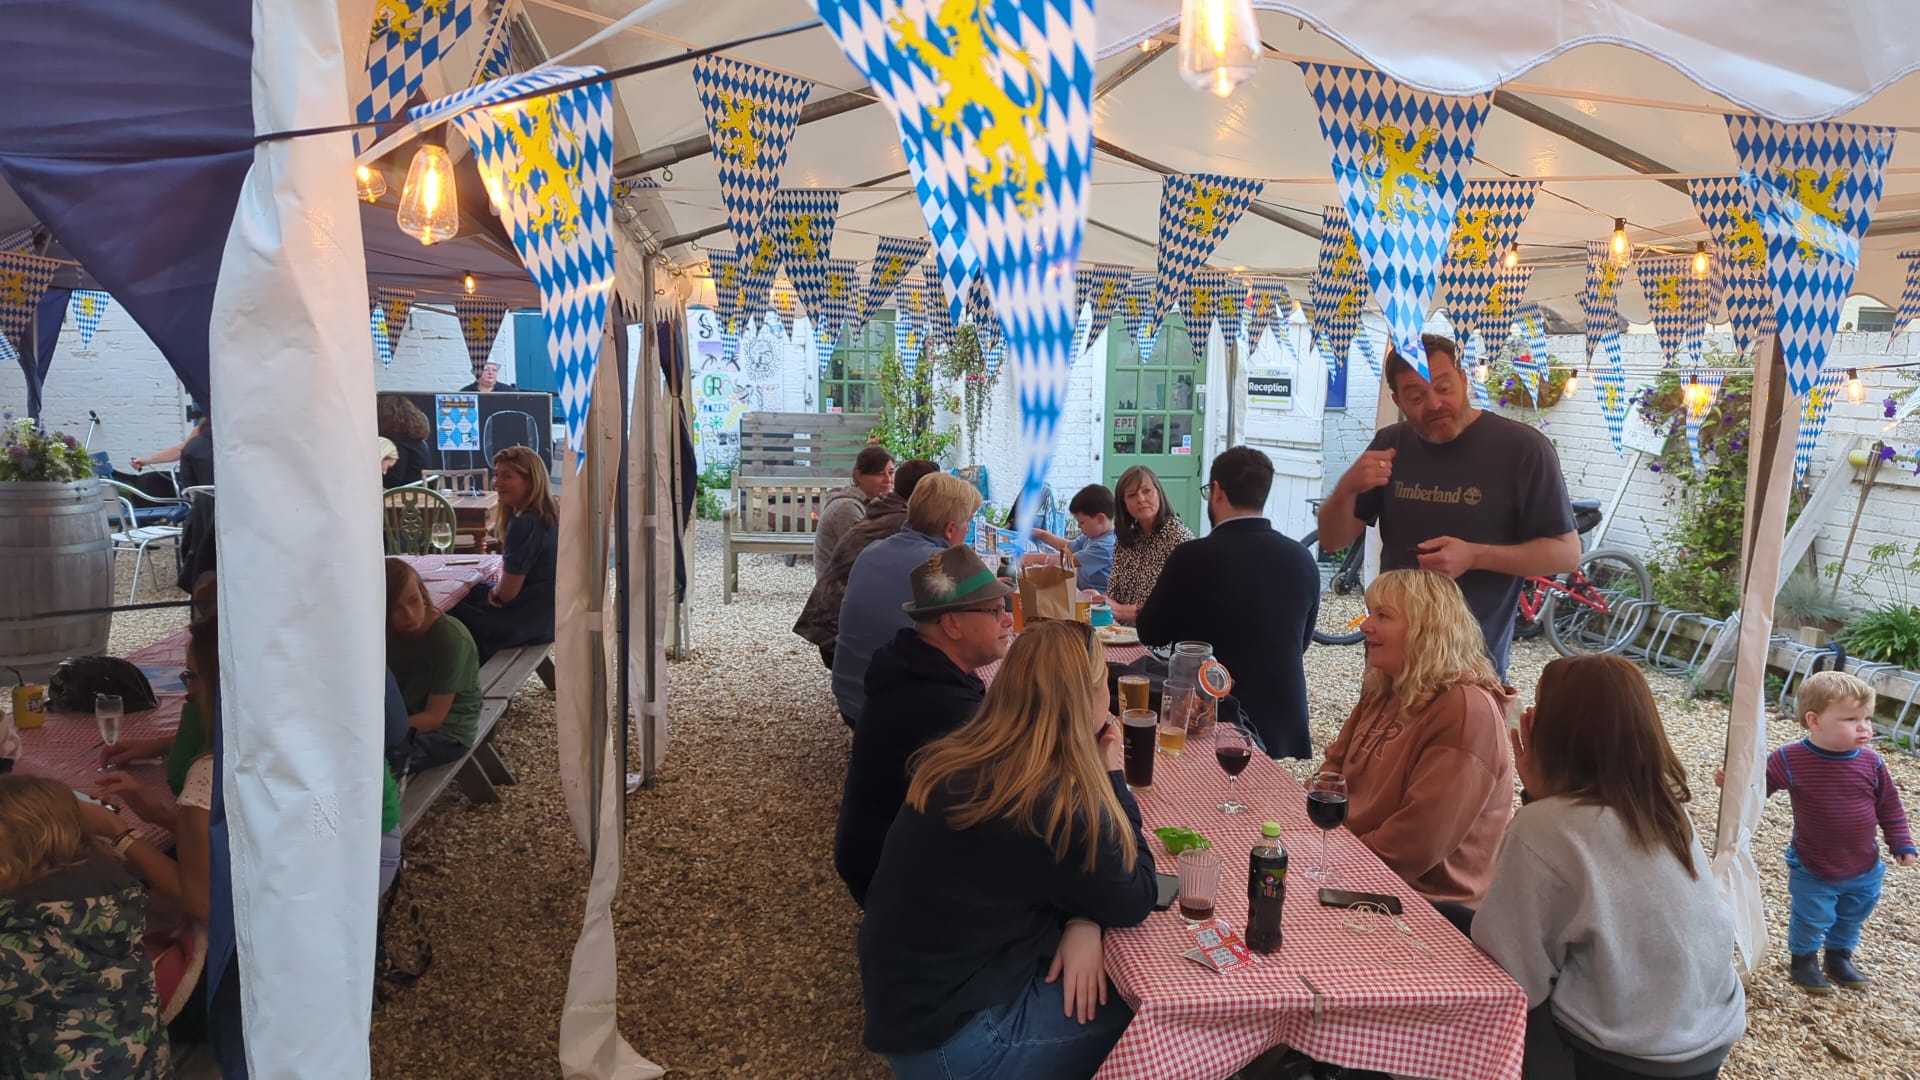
1341	571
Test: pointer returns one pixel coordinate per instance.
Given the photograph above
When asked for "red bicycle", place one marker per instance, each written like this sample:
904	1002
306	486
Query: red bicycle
1598	608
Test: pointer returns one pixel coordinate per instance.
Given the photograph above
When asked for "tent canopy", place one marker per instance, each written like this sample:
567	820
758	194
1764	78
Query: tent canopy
1792	62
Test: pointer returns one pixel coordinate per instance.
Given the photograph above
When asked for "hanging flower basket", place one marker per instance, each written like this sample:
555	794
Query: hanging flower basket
1506	386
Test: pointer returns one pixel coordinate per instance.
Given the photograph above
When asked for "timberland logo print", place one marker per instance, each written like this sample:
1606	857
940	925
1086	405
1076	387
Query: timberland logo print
1434	493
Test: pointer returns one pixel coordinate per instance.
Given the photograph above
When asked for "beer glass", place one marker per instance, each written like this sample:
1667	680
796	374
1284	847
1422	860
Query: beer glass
1138	729
1176	711
1136	692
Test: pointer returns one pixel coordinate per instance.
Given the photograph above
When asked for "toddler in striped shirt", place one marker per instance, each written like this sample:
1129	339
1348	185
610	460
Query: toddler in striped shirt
1841	794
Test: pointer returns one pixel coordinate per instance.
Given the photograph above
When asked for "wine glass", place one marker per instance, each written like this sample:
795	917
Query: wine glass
1233	751
1327	808
107	711
441	537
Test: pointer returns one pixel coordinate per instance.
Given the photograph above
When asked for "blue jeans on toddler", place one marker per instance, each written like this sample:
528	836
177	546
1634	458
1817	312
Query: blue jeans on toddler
1829	913
1030	1036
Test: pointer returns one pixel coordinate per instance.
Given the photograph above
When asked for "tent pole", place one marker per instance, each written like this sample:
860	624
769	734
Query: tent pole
1770	478
645	419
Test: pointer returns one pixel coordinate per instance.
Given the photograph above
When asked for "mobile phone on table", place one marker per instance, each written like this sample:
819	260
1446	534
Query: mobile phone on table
1169	891
1347	899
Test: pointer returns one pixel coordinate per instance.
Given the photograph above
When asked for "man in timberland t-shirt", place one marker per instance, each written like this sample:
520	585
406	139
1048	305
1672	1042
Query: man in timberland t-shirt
1460	491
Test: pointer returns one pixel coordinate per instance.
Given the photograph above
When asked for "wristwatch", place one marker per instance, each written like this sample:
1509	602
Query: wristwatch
122	842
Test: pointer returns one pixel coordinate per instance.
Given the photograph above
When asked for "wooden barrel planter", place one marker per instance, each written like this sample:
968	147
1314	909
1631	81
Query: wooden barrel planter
55	555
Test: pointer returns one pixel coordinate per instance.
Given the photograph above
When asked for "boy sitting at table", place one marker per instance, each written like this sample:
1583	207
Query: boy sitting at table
1092	510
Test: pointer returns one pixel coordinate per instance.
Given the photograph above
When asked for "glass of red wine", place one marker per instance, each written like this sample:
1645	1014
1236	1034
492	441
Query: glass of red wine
1233	750
1327	808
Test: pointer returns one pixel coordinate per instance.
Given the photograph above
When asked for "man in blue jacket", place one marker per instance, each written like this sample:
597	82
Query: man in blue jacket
881	582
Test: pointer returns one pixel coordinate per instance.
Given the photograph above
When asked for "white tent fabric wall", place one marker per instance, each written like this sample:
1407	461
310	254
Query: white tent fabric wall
302	649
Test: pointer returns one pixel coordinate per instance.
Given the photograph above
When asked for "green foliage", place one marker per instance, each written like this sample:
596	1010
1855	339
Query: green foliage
965	361
1889	570
1805	600
1888	634
910	406
713	488
1505	385
31	453
1696	564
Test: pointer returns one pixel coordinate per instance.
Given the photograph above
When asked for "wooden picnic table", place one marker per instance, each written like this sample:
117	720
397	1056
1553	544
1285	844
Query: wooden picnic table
67	747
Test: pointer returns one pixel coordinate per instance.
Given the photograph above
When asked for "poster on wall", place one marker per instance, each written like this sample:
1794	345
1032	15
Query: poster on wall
457	420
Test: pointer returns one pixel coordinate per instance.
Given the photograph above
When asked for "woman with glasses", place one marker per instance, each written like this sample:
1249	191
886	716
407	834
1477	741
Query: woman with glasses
980	955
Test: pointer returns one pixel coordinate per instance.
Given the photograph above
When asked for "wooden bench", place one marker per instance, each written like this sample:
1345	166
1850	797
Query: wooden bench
481	768
789	462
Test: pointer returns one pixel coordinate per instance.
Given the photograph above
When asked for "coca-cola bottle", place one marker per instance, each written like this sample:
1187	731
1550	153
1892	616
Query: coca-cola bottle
1266	890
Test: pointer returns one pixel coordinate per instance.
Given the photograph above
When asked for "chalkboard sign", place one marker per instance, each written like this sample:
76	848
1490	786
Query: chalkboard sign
469	427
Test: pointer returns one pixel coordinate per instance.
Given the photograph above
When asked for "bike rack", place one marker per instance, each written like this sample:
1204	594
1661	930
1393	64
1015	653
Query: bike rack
1662	636
1899	721
1809	654
1633	610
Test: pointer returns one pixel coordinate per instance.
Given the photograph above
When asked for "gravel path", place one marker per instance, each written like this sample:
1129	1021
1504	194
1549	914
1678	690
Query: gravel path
737	942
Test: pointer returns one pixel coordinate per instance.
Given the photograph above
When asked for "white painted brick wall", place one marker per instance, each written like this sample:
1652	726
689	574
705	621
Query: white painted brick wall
142	406
1593	469
1077	458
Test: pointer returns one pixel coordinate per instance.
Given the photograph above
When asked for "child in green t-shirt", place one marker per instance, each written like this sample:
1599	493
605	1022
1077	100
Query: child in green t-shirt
434	660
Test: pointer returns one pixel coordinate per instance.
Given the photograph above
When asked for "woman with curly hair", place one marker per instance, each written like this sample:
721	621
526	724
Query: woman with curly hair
402	421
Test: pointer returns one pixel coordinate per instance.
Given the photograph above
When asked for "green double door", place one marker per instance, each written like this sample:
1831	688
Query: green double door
1156	413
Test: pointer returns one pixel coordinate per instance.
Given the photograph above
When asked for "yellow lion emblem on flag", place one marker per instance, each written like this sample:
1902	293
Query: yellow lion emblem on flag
1399	181
969	63
539	136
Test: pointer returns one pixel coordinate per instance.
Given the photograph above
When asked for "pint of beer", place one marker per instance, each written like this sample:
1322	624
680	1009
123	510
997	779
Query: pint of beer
1135	692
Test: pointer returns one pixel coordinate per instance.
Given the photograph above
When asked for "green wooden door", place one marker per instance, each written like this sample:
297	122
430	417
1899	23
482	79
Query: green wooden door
851	381
1155	414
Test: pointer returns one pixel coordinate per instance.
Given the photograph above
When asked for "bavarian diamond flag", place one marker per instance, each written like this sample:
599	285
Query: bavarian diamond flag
552	159
480	318
24	278
910	321
1097	288
956	259
1491	212
893	257
1910	296
826	289
382	343
407	38
1820	400
396	305
1813	188
1610	383
1504	305
801	222
1741	262
939	335
1206	289
1600	297
1337	294
758	267
1269	306
1531	363
89	306
751	116
729	295
496	45
1197	210
985	323
1676	297
1136	311
1399	158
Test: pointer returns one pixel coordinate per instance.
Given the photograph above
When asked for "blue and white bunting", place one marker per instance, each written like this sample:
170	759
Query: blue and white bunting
1711	380
1473	351
1610	384
1814	410
1531	365
1337	295
758	268
1813	188
1600	297
1740	257
893	258
956	260
496	45
801	222
1136	311
979	312
1197	210
729	295
1504	306
382	342
910	324
1201	308
24	279
1399	158
939	314
89	306
1489	220
1097	288
396	307
751	116
1269	306
1369	351
1676	297
407	38
1909	297
551	158
480	318
828	291
999	100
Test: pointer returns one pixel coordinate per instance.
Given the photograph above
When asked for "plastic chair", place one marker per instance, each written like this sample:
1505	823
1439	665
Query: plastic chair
459	480
126	531
411	514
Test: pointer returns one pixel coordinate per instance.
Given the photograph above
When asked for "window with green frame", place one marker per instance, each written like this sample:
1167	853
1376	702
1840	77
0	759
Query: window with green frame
851	382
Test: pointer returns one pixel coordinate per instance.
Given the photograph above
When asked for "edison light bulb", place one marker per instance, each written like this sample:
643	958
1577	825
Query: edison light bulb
467	283
1696	396
1482	372
1856	392
1620	245
1573	385
368	183
1219	43
1513	255
429	206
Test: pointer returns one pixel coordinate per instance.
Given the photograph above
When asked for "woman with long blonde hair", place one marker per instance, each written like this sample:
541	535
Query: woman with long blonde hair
980	953
518	609
77	983
1428	769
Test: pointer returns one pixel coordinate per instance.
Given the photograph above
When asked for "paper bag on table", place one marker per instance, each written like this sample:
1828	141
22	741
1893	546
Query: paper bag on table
1048	592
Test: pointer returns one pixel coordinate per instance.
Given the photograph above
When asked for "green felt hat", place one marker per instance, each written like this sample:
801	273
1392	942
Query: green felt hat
953	579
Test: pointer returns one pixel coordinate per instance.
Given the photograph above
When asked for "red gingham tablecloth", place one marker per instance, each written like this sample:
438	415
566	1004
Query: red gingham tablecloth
1367	1001
67	747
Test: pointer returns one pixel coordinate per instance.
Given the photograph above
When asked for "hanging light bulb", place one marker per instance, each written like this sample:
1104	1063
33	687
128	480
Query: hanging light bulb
467	283
1696	396
1219	43
368	183
1621	248
429	205
1482	372
1701	260
1513	255
1147	45
1856	392
1573	384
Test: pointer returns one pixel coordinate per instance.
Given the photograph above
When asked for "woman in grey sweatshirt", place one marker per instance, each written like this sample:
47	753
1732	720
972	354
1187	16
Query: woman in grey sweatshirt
1602	907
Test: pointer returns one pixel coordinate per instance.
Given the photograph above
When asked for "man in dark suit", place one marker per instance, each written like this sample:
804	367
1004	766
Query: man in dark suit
1252	593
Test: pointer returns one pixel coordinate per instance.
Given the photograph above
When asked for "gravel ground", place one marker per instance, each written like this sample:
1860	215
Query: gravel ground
755	974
